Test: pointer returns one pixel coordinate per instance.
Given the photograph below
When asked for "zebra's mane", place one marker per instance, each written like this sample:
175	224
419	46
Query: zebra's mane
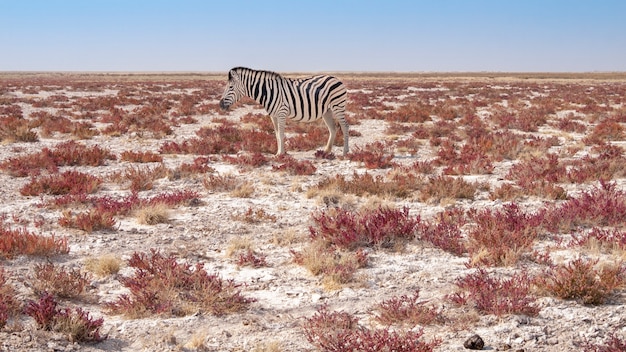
267	73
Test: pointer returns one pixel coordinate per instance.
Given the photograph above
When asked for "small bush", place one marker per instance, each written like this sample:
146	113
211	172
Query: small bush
64	154
90	221
415	112
16	129
383	227
600	206
613	344
609	164
336	267
294	167
44	311
77	324
140	179
141	157
339	331
501	237
254	216
580	280
104	265
22	242
495	296
377	155
608	239
367	184
72	153
30	165
247	160
469	160
406	310
314	136
69	182
223	139
442	187
445	232
59	281
162	285
537	176
200	165
9	305
608	129
250	258
220	183
152	214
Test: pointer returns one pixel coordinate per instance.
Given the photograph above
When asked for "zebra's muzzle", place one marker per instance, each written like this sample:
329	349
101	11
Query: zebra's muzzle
224	105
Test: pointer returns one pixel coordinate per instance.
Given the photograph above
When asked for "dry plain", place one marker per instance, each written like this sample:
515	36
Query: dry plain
485	193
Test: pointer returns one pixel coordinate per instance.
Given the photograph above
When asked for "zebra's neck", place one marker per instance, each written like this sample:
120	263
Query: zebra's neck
264	87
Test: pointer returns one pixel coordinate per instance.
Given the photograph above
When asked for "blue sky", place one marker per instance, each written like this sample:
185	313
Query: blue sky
322	35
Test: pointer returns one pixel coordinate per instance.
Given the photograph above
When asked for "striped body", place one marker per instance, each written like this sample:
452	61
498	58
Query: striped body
304	99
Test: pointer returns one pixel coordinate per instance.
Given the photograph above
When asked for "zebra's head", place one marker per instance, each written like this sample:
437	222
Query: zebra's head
234	90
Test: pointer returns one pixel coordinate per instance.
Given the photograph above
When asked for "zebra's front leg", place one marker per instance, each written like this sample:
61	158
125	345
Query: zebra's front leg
279	128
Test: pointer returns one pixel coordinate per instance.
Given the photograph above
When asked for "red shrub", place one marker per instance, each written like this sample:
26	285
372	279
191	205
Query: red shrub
601	206
59	281
69	182
294	167
140	157
200	165
537	175
163	285
9	304
406	310
257	142
376	155
469	160
382	227
78	325
416	112
608	129
495	296
606	238
16	129
251	259
445	233
30	165
339	331
171	198
88	221
21	242
314	136
73	153
501	237
44	311
580	280
613	344
251	160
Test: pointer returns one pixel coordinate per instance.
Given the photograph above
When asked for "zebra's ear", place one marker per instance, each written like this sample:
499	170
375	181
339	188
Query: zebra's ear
231	74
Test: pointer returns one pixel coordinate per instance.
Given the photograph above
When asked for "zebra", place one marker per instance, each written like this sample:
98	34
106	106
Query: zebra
304	99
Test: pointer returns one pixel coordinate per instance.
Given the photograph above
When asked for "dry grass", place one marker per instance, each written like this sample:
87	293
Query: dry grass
104	265
243	190
269	346
153	214
239	244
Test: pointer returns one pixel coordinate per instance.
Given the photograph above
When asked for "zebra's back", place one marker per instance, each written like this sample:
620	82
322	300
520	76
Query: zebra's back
310	98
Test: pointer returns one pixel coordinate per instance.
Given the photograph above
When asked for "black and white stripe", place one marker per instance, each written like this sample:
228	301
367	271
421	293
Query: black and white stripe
304	99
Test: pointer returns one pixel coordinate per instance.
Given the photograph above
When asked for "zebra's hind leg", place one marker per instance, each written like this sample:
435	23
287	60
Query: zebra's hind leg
330	123
340	115
279	129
